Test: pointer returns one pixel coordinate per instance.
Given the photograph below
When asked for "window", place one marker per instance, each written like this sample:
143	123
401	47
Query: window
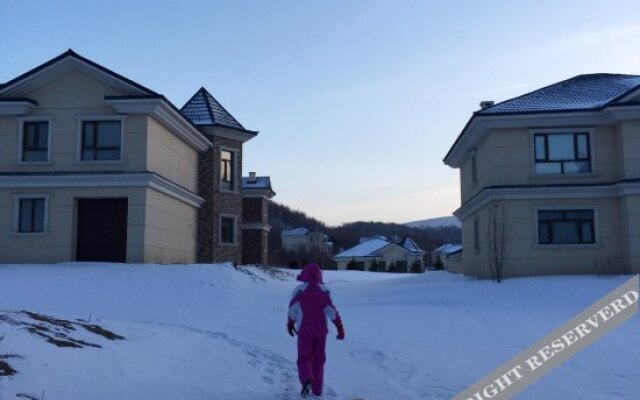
227	169
31	215
474	169
227	230
35	141
101	140
476	236
562	153
566	227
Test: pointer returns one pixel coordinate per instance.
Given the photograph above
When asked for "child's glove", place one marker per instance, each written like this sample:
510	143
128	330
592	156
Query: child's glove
340	330
291	327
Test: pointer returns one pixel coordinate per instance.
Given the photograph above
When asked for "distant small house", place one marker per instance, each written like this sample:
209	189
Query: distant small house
381	255
450	254
303	239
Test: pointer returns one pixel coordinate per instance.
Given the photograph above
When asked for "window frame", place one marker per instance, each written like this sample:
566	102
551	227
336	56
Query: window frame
234	170
476	235
235	230
99	118
474	167
594	225
17	200
575	131
21	137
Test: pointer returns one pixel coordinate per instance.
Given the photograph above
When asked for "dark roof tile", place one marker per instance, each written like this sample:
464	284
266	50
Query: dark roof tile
204	109
580	93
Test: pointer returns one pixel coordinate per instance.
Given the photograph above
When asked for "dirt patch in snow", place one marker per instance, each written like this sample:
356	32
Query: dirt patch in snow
263	273
59	332
5	368
56	331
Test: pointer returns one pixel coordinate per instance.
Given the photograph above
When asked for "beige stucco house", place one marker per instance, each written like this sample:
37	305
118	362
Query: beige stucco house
382	255
558	171
304	239
96	167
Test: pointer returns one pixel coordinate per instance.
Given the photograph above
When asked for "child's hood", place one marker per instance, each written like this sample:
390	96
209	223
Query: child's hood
311	273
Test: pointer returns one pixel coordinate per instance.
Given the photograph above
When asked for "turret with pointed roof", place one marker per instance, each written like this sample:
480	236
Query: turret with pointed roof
204	110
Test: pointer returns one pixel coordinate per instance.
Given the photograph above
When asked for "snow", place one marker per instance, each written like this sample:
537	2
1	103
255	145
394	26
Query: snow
435	222
366	238
259	182
364	249
449	248
294	232
410	245
215	332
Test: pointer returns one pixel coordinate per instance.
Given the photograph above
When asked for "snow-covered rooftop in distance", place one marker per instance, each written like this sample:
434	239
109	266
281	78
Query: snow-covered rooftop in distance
410	245
295	232
364	249
366	238
449	248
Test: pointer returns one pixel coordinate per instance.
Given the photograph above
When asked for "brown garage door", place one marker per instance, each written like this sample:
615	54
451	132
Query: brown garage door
102	230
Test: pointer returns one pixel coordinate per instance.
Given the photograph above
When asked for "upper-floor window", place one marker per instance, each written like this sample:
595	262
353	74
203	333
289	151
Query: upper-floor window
31	215
35	141
227	169
476	236
562	153
101	141
474	168
566	227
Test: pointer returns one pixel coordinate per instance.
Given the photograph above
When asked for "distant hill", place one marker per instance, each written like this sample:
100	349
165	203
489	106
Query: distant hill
435	222
347	235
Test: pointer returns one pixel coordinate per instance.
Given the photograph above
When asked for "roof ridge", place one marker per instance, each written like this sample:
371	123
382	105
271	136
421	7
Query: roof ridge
480	112
73	54
207	93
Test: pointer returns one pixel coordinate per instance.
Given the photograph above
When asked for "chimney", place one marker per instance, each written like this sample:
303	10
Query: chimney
252	177
486	104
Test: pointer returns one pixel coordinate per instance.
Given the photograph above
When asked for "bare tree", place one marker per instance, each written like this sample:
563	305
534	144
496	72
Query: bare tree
498	233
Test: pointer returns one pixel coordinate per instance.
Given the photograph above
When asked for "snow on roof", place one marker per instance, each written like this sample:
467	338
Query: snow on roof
261	182
410	245
365	238
449	248
295	232
364	249
583	92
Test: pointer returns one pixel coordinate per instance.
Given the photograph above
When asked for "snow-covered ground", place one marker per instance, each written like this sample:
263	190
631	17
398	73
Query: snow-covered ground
213	332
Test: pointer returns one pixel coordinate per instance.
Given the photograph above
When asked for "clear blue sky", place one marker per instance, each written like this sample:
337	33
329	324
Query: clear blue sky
356	101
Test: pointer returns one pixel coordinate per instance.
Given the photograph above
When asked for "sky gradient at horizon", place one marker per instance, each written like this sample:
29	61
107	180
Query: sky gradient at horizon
357	102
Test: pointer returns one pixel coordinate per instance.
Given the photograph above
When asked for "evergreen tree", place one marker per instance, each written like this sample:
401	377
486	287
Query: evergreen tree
416	267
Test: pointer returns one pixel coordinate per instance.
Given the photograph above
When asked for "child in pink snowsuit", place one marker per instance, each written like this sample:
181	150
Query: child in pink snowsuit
308	311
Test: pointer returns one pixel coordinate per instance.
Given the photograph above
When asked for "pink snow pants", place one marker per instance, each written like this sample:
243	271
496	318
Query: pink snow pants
311	358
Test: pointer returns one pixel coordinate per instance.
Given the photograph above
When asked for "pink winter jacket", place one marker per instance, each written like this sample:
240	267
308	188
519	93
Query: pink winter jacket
311	304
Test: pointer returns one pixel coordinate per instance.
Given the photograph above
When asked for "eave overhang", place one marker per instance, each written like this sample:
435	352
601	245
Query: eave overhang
542	192
241	135
159	108
17	106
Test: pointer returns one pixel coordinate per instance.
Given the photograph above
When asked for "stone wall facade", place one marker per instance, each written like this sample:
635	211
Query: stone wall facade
227	202
255	231
219	202
254	248
206	190
254	210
